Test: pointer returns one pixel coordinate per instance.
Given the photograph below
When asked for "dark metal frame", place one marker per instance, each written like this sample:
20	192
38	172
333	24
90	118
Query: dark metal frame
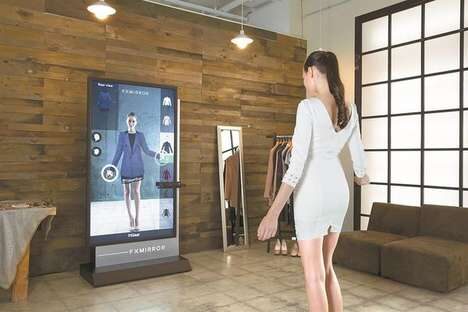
119	238
388	11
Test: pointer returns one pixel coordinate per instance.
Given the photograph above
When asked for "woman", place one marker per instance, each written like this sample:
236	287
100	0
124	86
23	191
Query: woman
132	143
324	124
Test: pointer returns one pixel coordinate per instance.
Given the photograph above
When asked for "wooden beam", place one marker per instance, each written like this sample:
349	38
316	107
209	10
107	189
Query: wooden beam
19	289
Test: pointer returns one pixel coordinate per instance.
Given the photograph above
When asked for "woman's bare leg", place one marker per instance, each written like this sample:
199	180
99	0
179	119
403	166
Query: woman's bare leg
128	203
314	271
136	197
332	286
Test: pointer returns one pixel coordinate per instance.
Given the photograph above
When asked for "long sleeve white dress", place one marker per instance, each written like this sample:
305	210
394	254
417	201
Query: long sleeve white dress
321	193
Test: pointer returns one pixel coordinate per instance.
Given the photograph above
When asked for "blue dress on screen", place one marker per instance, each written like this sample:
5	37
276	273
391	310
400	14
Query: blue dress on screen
104	101
132	160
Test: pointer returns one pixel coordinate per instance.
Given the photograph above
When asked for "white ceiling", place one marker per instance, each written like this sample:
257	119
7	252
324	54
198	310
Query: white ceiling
225	6
218	4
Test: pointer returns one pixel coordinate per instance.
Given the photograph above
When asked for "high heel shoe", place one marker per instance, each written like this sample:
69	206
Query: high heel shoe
132	225
277	249
295	250
284	248
136	228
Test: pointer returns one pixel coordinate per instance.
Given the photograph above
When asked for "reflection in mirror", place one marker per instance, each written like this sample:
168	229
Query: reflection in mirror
232	187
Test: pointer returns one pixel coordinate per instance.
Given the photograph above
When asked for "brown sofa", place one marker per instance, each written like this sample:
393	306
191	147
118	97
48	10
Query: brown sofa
425	247
437	258
361	250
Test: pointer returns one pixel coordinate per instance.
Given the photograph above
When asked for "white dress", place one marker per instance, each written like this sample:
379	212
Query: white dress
321	193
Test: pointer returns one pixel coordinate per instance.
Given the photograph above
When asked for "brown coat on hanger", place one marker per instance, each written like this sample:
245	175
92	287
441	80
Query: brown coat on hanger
269	177
231	180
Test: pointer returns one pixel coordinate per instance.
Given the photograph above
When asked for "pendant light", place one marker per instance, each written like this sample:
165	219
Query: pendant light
101	9
321	33
242	40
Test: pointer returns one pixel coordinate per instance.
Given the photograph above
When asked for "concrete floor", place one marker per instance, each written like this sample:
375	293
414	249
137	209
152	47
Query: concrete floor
245	281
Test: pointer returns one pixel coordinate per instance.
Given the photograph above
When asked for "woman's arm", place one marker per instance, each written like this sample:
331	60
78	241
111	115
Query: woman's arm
118	151
300	150
145	148
356	148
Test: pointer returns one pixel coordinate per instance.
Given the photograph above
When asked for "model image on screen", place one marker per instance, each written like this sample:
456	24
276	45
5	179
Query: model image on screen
131	144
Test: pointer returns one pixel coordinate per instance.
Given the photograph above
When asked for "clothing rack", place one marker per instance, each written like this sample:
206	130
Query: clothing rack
274	137
281	233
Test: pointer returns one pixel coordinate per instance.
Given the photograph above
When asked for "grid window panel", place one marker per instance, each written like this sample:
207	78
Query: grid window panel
441	16
465	47
406	167
465	128
465	169
406	61
406	25
377	163
465	16
372	193
406	131
374	132
406	96
465	86
375	100
375	34
364	223
441	130
441	168
405	195
442	54
375	67
442	92
435	196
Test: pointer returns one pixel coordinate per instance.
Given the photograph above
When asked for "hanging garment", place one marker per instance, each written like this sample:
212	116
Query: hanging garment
167	101
278	174
321	191
104	101
267	194
167	148
232	180
287	160
166	121
166	175
165	212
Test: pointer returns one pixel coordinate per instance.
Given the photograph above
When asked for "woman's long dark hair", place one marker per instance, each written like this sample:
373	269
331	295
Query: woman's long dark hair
327	63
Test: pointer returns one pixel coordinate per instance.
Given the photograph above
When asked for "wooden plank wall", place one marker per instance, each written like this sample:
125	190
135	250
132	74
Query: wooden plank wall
45	60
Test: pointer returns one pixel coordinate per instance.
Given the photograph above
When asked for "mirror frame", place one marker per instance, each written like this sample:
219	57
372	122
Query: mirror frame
242	186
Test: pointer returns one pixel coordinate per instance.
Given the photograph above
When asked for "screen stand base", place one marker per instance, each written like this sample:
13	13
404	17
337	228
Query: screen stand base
133	271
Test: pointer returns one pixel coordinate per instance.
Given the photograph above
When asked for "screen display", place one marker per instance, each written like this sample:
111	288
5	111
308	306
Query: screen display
132	136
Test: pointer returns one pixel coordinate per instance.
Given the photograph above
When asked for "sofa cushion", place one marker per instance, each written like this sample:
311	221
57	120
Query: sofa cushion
394	218
445	222
360	250
424	261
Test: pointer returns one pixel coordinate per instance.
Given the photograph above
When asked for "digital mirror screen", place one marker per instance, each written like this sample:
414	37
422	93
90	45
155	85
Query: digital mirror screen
131	135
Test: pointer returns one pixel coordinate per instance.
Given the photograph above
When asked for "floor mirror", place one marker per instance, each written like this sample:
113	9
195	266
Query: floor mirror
232	188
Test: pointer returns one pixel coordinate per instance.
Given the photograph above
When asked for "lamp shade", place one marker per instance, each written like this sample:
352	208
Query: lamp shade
101	9
242	40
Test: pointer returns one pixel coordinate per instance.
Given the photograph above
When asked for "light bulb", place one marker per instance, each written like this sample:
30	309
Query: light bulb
242	40
101	10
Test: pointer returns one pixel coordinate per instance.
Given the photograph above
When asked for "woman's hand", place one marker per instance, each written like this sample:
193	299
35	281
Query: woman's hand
268	226
361	181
